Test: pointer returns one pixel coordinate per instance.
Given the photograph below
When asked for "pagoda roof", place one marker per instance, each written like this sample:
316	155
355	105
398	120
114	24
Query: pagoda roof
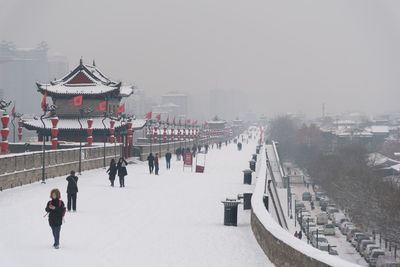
73	124
85	80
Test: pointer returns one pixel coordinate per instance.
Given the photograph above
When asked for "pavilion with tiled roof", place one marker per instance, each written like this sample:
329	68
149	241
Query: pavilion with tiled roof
89	83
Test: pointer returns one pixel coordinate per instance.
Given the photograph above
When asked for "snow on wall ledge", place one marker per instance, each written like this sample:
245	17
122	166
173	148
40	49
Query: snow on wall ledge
279	245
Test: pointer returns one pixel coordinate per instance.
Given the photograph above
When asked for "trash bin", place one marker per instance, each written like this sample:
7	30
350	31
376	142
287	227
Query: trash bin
266	201
247	176
252	165
230	211
239	146
247	201
258	149
254	157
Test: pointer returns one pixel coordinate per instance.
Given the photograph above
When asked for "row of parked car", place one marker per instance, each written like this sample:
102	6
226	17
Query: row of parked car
324	224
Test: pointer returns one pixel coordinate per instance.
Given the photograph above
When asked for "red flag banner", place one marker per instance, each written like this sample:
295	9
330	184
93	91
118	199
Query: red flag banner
195	122
13	110
121	108
103	106
149	115
187	121
167	119
77	100
173	121
44	99
179	121
158	117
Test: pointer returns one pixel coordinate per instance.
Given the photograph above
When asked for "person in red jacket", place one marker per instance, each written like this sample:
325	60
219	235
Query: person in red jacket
55	210
156	165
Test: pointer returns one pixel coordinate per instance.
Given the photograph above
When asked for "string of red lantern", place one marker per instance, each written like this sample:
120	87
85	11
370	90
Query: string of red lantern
89	132
54	133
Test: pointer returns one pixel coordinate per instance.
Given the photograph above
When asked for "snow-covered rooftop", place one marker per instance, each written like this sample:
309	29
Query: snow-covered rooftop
73	124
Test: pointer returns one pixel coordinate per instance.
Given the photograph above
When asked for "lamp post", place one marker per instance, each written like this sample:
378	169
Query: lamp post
82	112
51	109
104	139
14	116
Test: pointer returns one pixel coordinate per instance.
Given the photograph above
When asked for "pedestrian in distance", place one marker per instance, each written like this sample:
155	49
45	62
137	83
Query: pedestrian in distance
168	156
55	209
296	234
178	153
156	165
122	172
150	160
112	171
72	191
300	235
194	150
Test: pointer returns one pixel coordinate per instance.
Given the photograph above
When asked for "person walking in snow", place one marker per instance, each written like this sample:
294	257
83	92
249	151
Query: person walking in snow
300	235
168	156
122	172
296	234
55	210
72	191
178	153
150	160
112	171
156	165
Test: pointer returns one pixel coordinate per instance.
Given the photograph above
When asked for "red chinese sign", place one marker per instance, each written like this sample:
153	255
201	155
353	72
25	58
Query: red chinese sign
188	159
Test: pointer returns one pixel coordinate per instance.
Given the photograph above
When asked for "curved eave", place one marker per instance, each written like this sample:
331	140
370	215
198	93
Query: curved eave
53	93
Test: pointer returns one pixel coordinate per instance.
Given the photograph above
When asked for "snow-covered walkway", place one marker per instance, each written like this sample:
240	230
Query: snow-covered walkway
175	219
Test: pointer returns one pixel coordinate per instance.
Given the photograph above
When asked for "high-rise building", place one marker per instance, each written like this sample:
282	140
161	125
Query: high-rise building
21	68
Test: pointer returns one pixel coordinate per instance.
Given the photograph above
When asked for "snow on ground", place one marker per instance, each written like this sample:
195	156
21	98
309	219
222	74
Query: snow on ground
174	219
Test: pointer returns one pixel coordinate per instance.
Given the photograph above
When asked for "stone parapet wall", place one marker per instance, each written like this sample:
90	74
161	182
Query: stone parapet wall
25	168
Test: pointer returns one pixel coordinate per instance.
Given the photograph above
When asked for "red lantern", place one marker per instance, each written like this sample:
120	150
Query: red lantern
112	139
130	131
54	132
118	138
89	140
19	137
54	143
54	121
89	123
20	123
129	124
155	140
130	139
89	131
4	147
112	123
20	129
4	133
5	119
112	131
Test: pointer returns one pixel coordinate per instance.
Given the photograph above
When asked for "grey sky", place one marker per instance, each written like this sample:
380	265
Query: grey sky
301	53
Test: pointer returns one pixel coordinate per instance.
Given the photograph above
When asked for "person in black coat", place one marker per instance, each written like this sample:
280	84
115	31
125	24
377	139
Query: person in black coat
72	191
122	172
168	156
55	210
150	160
178	153
112	171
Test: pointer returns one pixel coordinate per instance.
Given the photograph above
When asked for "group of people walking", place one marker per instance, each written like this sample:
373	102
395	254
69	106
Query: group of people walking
118	168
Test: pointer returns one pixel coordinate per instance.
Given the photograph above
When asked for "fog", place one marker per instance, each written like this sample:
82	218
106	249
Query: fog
286	56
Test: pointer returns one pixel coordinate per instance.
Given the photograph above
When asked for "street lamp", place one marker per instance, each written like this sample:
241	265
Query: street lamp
48	111
82	112
14	116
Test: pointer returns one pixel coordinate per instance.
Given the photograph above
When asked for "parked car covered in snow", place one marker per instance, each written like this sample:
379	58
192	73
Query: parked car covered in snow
329	229
337	218
364	244
351	233
322	243
368	250
373	256
331	211
300	206
322	218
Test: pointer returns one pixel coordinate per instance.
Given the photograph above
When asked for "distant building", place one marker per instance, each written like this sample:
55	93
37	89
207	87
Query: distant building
176	103
20	68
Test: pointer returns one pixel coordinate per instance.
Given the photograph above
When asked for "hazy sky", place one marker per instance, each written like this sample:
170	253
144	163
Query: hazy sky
289	55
